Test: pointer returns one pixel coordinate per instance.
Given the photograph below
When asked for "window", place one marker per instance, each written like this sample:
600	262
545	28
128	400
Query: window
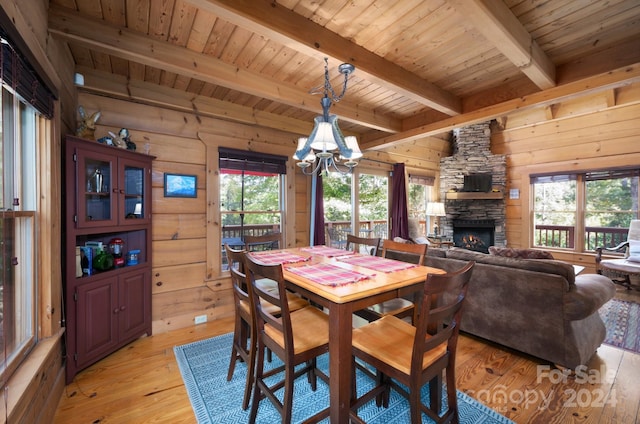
369	214
585	210
18	203
25	104
338	212
420	193
373	192
251	195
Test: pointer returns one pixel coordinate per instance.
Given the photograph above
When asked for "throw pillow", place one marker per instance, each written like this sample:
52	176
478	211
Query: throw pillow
509	252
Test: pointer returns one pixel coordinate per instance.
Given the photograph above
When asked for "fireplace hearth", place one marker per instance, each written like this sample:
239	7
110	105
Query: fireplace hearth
474	234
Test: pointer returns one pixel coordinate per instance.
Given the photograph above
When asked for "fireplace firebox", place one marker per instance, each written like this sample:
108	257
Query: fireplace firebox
474	234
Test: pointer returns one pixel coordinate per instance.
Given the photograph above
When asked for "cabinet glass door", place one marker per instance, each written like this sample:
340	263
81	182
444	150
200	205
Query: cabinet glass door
134	191
95	182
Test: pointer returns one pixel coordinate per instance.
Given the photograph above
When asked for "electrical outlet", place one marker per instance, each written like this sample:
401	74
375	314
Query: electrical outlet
201	319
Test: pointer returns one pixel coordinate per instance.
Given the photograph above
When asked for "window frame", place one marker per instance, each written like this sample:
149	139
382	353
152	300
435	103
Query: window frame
581	177
23	129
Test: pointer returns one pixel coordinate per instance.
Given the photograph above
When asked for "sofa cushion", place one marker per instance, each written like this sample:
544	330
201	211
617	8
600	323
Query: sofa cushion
510	252
549	266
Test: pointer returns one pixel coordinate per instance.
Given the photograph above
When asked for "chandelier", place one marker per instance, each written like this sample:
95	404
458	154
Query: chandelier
327	149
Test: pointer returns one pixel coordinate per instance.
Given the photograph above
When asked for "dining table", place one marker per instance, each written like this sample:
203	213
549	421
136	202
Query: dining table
342	282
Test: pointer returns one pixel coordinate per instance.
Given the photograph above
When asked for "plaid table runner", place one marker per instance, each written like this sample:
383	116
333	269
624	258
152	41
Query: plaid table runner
277	257
377	263
327	251
327	274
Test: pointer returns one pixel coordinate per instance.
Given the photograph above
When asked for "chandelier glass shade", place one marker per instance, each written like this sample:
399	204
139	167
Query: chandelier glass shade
326	148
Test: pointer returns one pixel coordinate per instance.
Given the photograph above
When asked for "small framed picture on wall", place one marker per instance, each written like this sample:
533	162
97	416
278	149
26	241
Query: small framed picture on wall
180	185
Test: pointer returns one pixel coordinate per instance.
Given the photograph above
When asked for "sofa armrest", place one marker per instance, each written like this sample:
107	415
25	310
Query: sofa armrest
589	293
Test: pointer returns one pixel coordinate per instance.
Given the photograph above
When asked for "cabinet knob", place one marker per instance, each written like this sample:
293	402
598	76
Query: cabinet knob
116	310
122	308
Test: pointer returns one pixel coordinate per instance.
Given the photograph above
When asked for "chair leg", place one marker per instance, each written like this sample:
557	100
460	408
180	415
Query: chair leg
311	374
257	393
452	396
234	347
287	403
251	369
415	404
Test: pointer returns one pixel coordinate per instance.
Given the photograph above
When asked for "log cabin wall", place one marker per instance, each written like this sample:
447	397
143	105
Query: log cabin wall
591	132
186	279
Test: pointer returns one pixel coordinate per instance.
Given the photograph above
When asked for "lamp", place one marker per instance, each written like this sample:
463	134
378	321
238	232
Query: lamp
326	144
435	209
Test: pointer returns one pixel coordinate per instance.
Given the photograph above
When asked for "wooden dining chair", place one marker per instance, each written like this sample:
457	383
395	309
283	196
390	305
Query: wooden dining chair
296	337
355	243
244	332
414	355
400	307
244	343
270	241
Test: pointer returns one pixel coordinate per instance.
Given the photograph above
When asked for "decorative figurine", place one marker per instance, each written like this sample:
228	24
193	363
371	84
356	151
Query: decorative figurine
122	140
87	124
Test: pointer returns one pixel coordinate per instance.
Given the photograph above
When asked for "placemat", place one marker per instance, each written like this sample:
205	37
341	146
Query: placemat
327	274
327	251
278	257
377	263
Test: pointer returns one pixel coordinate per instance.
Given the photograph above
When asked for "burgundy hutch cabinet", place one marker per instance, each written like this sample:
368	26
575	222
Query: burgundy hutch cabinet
108	203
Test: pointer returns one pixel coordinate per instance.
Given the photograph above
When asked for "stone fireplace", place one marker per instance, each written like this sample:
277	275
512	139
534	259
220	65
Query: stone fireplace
474	220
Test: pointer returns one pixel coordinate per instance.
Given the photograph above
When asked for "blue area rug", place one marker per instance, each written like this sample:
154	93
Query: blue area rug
621	319
203	366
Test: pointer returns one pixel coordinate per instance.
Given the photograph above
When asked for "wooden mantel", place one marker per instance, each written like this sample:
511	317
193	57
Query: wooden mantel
466	195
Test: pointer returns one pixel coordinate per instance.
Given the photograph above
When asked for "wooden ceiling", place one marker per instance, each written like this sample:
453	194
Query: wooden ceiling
423	67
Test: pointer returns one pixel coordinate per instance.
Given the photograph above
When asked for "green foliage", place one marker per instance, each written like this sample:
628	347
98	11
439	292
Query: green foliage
261	193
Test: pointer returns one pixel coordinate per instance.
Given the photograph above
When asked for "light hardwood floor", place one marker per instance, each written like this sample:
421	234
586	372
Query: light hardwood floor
141	383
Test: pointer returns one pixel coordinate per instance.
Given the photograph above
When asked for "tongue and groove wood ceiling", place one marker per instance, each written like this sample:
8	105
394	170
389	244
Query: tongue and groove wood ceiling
423	67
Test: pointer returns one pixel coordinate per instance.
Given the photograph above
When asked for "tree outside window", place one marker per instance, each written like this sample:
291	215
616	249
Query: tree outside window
586	210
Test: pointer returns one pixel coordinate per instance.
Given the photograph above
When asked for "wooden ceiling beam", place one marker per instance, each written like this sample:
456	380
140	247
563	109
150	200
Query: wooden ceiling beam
121	87
606	81
69	26
495	21
295	31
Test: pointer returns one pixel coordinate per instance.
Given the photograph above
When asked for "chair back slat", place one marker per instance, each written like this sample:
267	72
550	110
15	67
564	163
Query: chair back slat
271	241
407	252
354	243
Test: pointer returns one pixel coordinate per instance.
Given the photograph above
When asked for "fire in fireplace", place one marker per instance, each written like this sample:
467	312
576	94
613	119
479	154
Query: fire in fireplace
474	234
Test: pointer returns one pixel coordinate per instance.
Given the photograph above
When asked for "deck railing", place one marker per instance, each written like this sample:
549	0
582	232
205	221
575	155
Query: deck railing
335	231
563	236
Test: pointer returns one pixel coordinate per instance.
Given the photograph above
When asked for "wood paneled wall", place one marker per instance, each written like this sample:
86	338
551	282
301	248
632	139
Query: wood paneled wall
592	132
186	275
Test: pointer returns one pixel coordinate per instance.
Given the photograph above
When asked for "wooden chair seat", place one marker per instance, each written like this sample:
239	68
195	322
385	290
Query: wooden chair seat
390	340
310	330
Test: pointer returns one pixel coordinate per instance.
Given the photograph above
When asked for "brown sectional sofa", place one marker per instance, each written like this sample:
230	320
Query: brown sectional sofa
536	306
